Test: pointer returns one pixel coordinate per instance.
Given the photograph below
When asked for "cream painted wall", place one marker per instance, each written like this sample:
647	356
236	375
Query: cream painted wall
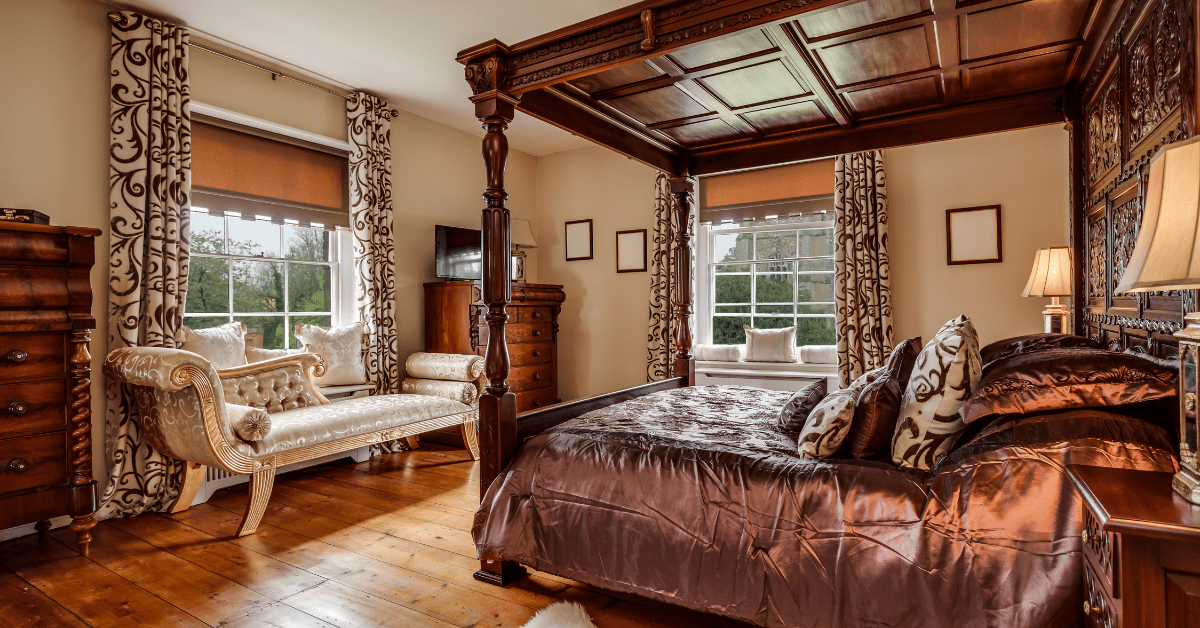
602	337
1026	173
54	134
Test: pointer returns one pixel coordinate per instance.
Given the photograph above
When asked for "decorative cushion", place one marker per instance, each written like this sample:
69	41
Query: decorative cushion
250	424
818	354
829	422
1032	343
945	374
770	345
795	412
447	366
1064	379
341	349
464	392
254	354
878	406
719	353
224	345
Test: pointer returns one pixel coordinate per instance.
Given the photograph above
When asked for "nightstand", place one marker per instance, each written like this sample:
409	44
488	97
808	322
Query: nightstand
1141	550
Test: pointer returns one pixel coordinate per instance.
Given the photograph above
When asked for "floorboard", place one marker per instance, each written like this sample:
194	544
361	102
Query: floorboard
380	543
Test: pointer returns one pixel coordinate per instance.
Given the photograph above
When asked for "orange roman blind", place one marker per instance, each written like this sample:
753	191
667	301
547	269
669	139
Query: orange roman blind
782	190
255	175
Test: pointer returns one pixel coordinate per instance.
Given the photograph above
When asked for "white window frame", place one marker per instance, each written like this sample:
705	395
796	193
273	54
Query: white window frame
343	310
706	280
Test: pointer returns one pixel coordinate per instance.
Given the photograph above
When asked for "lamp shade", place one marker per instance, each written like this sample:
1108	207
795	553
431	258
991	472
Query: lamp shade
1051	275
1167	253
522	235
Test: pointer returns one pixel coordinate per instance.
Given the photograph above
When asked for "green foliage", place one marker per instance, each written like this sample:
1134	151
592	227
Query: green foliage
258	286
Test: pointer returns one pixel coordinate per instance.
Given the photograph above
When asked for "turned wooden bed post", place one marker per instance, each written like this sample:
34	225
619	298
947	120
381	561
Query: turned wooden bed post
684	365
497	406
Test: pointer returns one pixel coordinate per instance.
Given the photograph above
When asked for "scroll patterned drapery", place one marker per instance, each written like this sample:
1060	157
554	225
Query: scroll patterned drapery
149	188
660	339
862	282
369	122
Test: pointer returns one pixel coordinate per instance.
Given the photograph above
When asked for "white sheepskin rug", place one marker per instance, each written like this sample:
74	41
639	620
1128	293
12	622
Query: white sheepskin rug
561	615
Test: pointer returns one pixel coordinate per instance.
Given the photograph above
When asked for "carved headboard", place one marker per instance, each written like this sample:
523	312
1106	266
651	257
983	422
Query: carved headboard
1138	94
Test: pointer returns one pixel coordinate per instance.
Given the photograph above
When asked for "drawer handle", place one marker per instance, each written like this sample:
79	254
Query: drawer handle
18	407
1086	538
537	332
537	353
537	377
17	356
20	465
537	314
537	403
1088	609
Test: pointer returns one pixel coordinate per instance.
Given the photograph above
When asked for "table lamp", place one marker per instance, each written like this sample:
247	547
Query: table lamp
1051	277
522	238
1167	257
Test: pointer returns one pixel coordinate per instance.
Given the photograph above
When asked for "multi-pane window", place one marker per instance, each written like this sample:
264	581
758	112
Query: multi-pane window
771	274
270	276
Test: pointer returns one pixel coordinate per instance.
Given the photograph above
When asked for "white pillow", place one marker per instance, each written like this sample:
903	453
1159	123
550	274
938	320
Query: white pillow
943	378
770	345
719	353
224	346
254	354
341	348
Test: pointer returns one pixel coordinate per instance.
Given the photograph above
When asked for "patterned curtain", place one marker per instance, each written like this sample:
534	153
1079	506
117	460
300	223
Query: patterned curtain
149	186
862	283
660	340
369	121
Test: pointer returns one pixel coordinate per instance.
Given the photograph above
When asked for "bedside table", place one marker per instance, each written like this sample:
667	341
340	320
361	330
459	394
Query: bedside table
1141	550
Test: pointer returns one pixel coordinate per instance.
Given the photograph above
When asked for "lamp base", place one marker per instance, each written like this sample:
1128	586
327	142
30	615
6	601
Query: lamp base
1056	317
1187	480
1187	483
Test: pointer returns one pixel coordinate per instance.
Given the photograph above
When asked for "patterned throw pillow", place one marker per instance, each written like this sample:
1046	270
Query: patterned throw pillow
254	354
770	345
223	346
946	373
829	422
795	412
341	349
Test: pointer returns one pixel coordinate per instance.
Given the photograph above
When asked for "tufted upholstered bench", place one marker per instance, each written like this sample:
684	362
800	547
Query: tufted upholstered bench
256	418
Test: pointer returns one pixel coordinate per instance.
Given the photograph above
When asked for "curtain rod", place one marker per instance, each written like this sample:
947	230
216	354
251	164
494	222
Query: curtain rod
116	17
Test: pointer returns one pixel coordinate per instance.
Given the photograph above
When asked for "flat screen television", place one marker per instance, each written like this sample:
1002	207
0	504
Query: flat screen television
458	253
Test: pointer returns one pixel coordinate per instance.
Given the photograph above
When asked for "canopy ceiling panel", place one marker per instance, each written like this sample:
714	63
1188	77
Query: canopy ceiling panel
704	86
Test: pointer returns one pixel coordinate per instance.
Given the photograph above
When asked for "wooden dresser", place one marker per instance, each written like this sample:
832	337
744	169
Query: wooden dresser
454	323
1141	550
45	368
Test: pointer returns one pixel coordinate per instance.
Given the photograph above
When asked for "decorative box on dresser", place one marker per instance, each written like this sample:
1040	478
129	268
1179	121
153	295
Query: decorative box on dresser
45	369
454	323
1141	550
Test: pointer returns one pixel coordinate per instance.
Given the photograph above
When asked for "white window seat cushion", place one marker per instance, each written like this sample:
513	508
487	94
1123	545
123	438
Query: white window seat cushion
313	425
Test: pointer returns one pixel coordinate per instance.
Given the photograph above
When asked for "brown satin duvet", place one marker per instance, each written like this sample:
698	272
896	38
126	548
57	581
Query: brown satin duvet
694	497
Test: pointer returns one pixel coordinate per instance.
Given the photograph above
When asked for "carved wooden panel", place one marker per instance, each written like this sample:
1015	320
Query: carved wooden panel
1102	124
1126	220
1097	260
1154	62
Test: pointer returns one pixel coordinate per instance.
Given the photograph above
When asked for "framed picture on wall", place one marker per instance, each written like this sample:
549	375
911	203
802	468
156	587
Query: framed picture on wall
973	235
579	240
631	251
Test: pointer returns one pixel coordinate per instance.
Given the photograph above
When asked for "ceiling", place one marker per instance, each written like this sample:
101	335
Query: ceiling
402	50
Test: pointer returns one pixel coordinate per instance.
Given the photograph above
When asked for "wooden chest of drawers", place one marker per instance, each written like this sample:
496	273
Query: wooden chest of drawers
454	323
1141	550
45	368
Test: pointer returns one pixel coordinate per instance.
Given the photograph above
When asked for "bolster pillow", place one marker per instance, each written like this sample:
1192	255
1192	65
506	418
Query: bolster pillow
818	354
444	366
250	424
465	392
719	353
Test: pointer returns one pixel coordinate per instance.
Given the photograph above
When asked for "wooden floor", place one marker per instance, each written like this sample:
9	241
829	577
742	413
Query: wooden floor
381	543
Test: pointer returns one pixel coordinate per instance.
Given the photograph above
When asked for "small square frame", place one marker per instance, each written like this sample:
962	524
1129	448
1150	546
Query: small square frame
574	233
628	259
969	235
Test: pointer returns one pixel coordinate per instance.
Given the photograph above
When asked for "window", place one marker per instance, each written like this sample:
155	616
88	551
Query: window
268	275
769	274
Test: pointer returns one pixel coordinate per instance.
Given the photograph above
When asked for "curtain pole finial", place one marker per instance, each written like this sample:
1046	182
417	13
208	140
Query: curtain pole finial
118	18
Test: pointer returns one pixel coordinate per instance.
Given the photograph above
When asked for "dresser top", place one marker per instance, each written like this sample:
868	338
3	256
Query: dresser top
1139	503
9	225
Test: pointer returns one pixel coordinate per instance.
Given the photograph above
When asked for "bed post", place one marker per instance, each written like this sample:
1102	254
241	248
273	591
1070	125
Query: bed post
684	365
497	406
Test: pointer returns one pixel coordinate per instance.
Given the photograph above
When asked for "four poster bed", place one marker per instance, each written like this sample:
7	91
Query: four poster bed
680	493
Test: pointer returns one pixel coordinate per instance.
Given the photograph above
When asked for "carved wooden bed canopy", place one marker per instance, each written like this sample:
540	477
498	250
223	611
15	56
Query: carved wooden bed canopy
697	87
